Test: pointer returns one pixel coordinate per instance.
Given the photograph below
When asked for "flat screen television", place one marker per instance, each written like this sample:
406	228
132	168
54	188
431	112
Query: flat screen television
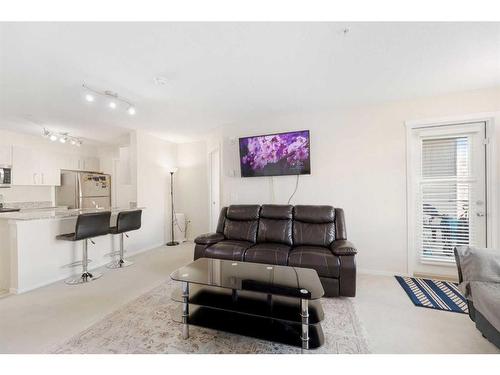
277	154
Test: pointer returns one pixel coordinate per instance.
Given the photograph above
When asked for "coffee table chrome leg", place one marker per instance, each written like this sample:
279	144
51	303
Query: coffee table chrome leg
185	310
304	313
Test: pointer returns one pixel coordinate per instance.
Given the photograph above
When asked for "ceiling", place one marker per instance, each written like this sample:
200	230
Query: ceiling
225	73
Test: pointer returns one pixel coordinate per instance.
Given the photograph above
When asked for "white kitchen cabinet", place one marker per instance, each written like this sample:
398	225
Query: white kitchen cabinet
34	167
5	155
25	166
50	171
80	163
90	164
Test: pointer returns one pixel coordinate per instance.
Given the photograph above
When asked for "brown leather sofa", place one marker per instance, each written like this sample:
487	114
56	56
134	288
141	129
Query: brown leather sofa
300	236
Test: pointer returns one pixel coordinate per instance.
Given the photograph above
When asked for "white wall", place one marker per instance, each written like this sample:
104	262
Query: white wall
37	193
358	162
191	186
152	158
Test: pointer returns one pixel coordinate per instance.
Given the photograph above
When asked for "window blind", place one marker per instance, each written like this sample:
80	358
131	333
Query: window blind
444	199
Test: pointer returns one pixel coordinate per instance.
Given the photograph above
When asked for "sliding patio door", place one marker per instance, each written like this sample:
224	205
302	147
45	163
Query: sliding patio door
449	194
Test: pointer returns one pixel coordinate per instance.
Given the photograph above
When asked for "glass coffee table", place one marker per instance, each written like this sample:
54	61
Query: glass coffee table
275	303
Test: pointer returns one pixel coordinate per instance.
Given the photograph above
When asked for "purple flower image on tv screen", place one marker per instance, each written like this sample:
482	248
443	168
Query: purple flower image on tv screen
275	154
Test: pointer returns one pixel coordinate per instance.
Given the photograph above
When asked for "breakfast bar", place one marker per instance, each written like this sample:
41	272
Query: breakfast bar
31	256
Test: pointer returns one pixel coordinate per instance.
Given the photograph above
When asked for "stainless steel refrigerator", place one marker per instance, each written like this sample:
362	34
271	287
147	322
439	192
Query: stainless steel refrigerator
84	190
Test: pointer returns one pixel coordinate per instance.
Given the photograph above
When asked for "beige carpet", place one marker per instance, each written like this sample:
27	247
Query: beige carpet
146	326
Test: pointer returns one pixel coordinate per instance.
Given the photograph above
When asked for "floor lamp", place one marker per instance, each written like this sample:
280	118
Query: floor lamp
172	239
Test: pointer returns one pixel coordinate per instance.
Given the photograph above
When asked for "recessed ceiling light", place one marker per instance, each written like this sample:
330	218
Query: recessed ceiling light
131	111
53	137
112	105
89	98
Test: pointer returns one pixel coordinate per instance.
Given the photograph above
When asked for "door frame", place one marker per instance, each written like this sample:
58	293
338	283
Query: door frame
211	207
490	170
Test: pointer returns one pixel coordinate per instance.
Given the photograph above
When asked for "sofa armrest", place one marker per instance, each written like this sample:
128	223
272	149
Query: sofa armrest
209	238
343	247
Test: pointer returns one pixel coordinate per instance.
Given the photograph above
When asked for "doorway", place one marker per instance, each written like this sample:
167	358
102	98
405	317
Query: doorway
447	200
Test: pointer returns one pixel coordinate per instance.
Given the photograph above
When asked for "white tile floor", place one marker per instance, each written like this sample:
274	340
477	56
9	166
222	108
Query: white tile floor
37	321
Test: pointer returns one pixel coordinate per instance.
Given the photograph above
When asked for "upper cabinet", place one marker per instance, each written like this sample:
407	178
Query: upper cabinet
90	164
80	163
31	166
5	155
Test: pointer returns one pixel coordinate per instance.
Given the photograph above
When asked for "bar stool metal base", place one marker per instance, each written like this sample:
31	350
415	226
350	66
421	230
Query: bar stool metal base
84	278
120	263
172	243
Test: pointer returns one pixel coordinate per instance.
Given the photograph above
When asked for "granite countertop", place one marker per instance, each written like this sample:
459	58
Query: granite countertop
58	213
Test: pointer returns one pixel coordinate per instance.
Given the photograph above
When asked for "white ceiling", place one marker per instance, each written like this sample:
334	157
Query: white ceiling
224	73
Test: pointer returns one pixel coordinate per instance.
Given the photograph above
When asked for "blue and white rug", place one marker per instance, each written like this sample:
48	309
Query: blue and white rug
434	294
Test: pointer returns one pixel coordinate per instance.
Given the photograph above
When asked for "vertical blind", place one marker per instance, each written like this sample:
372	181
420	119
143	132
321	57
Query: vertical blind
444	199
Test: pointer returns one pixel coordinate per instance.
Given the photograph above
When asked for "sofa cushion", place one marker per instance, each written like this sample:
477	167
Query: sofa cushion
313	234
208	238
243	212
313	225
268	252
277	211
227	249
477	264
314	214
316	257
241	230
271	230
486	297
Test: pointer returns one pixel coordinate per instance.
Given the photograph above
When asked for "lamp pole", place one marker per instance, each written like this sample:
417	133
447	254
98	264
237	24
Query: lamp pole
172	239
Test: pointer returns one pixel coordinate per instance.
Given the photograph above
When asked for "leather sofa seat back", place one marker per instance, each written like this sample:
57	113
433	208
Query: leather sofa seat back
242	222
275	224
313	225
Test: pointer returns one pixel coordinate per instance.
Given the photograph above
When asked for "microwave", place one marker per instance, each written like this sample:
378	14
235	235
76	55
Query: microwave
5	176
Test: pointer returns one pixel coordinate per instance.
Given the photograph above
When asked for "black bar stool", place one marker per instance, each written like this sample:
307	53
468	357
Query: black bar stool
125	222
87	227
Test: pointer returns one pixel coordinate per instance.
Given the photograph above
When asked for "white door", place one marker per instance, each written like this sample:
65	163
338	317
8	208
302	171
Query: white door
448	195
214	157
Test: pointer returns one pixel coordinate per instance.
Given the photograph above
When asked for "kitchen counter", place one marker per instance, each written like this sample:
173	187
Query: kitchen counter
57	213
31	255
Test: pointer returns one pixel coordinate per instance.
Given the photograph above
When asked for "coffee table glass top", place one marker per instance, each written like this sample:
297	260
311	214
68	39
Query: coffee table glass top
271	279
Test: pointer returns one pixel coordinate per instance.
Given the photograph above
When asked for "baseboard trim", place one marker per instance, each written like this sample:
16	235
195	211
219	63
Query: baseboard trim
365	271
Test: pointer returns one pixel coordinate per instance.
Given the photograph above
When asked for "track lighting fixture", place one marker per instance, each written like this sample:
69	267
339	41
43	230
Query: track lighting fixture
114	99
62	137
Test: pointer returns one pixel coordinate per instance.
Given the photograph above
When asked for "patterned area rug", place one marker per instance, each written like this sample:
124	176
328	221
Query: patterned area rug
146	326
434	294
